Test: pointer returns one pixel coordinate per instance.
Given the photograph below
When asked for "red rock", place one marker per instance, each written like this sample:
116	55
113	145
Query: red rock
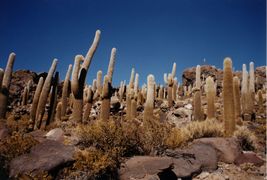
249	157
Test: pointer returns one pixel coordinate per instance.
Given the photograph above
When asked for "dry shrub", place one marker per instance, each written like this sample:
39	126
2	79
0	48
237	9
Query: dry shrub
14	146
194	130
246	138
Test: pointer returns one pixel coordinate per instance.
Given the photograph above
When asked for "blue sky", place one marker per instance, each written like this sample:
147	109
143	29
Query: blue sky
149	35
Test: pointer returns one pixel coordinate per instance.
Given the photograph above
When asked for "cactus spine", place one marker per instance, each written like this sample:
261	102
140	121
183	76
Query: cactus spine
44	95
237	97
65	92
4	91
210	91
79	76
149	104
228	98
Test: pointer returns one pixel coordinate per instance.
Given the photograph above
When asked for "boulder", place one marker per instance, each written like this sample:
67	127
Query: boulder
174	164
228	149
56	134
46	156
249	157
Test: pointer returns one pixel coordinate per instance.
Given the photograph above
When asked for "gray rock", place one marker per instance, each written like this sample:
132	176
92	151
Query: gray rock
45	156
56	134
228	149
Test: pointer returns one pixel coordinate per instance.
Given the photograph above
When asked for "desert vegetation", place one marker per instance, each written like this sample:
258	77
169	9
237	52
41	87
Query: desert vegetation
76	130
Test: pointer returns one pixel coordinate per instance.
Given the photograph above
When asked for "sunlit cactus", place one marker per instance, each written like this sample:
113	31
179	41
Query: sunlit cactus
111	64
105	96
134	97
149	104
129	95
65	92
98	84
210	92
198	114
198	80
44	95
244	90
4	91
78	78
35	102
161	91
237	104
251	90
174	89
24	96
89	94
228	98
58	111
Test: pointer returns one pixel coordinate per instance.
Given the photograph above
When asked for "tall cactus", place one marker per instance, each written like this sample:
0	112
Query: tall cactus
244	90
44	95
65	91
236	82
35	102
4	90
24	97
161	91
1	76
134	97
251	88
198	80
106	95
149	104
170	81
129	94
111	64
228	98
210	92
88	103
58	112
79	76
198	114
174	89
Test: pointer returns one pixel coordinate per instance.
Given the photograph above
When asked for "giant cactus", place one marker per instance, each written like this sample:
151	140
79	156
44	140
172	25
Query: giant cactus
1	76
251	90
129	94
236	82
198	113
170	81
4	88
88	103
65	92
35	102
134	97
106	95
111	64
244	90
198	80
228	98
78	79
210	92
44	95
149	104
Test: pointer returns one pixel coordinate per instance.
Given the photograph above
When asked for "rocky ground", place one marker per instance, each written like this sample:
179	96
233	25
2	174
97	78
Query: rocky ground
67	150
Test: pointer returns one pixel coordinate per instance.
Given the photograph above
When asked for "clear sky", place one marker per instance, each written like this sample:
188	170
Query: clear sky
149	34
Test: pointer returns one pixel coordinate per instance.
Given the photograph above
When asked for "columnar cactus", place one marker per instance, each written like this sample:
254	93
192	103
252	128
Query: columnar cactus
24	96
149	105
4	88
89	94
44	95
111	64
65	92
52	102
161	91
244	90
260	102
198	80
58	112
78	79
35	102
170	81
174	89
106	95
210	92
228	98
129	94
198	114
99	83
251	88
236	82
134	97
